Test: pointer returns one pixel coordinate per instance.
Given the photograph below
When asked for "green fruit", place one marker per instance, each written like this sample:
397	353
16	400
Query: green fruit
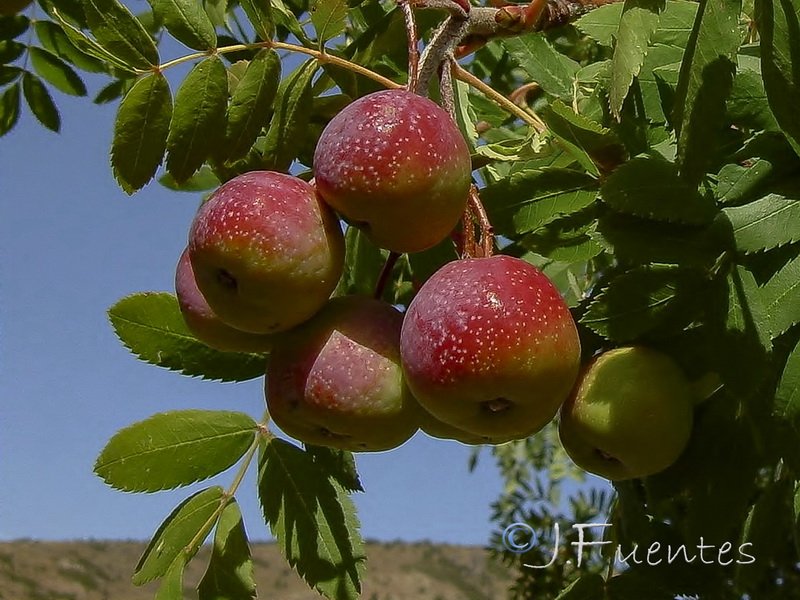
629	415
336	380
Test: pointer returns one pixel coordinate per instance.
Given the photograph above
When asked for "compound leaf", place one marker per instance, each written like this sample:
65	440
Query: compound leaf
198	119
152	327
313	520
182	532
174	449
140	132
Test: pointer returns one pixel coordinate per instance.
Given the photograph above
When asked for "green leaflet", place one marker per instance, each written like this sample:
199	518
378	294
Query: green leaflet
787	398
292	114
140	132
705	81
781	297
673	29
151	326
181	533
637	24
329	18
780	55
640	301
313	520
229	575
40	102
171	587
260	14
362	266
651	188
187	22
596	148
198	118
174	449
56	72
121	34
9	108
54	39
771	221
251	104
543	64
529	199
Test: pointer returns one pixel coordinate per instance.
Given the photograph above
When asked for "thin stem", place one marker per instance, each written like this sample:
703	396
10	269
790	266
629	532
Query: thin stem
322	57
228	495
486	247
413	45
383	278
498	98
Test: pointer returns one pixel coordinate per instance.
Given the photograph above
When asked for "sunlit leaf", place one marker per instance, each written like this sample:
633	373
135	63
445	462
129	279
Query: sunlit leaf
174	449
181	532
152	327
140	132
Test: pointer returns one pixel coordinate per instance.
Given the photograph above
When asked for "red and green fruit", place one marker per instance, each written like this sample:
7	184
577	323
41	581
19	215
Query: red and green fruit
395	164
489	347
336	380
204	324
630	414
266	252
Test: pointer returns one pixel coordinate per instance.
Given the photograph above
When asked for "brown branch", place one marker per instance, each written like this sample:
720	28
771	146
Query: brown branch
413	45
386	272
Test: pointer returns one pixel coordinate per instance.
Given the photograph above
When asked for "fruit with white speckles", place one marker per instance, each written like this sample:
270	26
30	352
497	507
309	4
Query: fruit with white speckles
394	164
204	324
630	414
489	347
336	380
266	252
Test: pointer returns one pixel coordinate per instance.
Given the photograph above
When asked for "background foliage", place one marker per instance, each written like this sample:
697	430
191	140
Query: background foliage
645	155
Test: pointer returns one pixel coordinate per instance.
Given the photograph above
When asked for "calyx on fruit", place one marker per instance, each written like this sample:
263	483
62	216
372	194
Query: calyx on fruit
204	323
336	380
489	347
395	164
266	252
630	414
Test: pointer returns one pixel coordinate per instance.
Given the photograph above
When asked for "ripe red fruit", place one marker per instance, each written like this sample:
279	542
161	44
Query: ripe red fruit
336	380
204	324
394	164
266	252
489	347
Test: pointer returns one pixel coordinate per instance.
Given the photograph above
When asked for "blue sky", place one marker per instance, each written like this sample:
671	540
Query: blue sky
71	244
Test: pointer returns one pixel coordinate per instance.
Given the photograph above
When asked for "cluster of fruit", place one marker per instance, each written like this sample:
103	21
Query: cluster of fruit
486	352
